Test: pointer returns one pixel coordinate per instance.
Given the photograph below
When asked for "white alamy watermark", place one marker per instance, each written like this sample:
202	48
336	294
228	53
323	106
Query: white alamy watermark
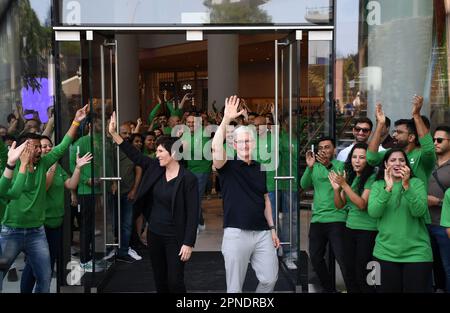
374	277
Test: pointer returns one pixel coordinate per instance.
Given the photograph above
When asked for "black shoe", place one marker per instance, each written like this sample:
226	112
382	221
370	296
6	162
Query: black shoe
12	275
125	258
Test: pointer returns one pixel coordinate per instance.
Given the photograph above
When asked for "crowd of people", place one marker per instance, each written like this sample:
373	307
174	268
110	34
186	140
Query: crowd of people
381	206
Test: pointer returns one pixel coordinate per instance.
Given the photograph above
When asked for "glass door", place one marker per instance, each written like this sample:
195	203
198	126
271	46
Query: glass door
287	97
102	221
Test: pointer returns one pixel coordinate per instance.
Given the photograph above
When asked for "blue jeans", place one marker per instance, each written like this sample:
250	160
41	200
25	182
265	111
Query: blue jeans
33	242
54	239
126	224
202	179
283	229
439	234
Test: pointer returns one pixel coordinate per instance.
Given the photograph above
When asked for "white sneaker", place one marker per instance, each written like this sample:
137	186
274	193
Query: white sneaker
201	227
290	263
134	254
110	255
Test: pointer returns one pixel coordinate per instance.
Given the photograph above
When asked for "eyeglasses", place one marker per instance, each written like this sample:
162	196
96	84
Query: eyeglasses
364	130
242	142
439	140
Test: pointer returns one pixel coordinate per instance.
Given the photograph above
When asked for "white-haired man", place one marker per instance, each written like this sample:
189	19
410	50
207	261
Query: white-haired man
249	231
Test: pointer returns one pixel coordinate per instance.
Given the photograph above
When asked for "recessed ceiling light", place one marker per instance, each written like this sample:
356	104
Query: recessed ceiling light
251	60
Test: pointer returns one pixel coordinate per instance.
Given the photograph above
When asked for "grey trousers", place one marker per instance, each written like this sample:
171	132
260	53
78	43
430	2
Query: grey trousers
241	246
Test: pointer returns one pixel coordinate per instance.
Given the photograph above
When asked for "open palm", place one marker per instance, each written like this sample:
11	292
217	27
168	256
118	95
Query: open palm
231	108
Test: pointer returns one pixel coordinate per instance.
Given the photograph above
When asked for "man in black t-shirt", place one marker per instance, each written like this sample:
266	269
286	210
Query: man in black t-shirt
249	231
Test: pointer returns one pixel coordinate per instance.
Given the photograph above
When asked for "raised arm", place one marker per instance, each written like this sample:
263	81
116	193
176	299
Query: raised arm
218	151
73	181
136	156
421	128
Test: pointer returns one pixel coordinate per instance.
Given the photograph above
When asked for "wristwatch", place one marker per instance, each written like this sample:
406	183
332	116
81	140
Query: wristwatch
272	227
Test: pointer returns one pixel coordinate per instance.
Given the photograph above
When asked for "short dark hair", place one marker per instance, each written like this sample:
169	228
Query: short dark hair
46	137
253	113
10	117
27	136
134	135
388	122
361	120
443	128
327	138
167	142
409	124
150	133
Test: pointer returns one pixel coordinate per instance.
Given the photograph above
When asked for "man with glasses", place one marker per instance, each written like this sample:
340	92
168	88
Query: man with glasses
249	230
361	133
439	182
411	135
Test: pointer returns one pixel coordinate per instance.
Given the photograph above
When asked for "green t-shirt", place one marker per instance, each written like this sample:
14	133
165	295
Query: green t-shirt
198	163
28	210
422	161
324	210
265	155
84	145
445	214
357	218
8	193
54	214
3	155
402	233
285	154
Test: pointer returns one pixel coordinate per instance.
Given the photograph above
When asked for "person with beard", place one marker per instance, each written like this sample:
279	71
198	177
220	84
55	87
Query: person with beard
249	231
328	222
351	192
412	136
402	247
438	184
23	223
361	133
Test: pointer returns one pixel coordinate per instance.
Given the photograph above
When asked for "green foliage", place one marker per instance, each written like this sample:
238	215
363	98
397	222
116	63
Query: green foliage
242	12
35	43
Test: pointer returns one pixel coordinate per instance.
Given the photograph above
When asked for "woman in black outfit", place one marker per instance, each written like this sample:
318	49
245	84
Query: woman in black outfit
168	196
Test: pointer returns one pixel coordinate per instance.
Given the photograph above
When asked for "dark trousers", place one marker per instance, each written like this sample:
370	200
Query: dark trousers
54	239
168	269
87	226
404	277
320	234
359	246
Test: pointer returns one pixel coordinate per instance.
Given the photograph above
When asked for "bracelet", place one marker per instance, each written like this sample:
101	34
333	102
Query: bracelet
11	167
272	227
75	123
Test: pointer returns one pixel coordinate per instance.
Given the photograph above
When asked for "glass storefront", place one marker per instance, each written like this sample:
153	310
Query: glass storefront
387	51
382	51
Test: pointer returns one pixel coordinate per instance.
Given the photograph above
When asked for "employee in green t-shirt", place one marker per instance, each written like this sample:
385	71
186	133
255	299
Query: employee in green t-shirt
402	247
413	136
351	192
328	222
57	179
23	223
445	215
197	148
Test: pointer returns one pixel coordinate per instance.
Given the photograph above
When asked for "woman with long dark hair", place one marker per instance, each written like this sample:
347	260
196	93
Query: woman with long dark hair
402	247
351	192
168	195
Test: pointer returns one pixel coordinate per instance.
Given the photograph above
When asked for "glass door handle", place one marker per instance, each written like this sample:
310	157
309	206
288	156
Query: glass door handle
110	178
284	177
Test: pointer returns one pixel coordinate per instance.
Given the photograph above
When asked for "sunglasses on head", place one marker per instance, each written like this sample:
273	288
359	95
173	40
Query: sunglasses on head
439	140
